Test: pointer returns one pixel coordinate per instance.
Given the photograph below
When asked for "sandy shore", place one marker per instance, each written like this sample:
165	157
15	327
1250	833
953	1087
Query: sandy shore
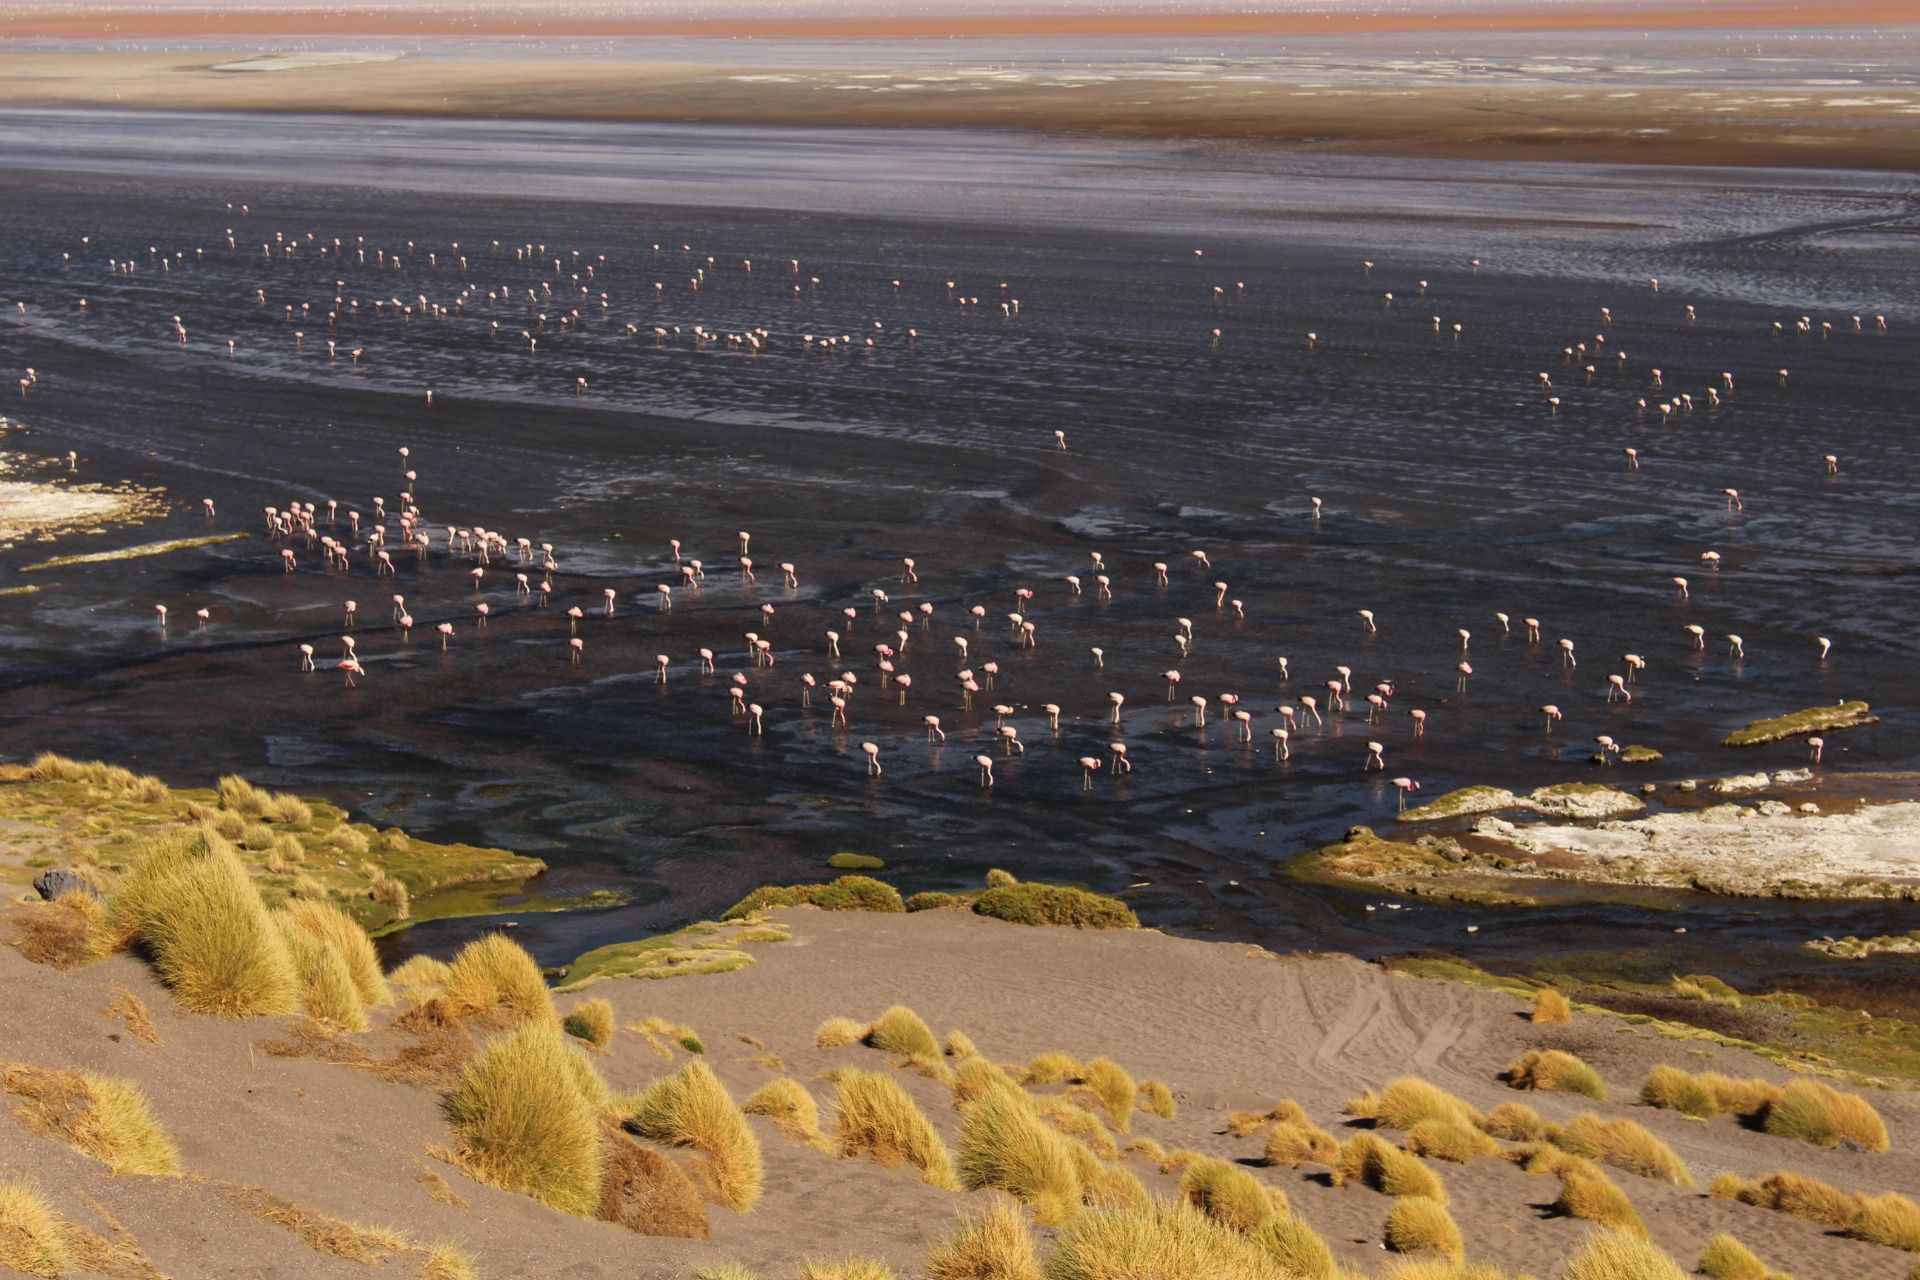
1228	1027
1712	127
125	22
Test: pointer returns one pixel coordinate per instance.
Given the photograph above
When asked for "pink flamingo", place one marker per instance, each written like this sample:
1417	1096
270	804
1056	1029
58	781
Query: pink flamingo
986	770
1403	786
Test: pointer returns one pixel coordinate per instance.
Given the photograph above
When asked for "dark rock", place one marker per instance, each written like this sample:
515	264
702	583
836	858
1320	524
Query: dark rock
59	882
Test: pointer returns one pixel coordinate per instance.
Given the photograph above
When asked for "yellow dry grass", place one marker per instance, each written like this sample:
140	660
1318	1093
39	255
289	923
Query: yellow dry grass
1157	1099
1002	1145
1622	1144
1053	1068
1588	1194
494	972
1549	1007
522	1121
195	910
31	1239
974	1078
1795	1194
1296	1246
1108	1081
1558	1070
835	1032
1165	1239
1300	1142
347	940
1725	1258
1416	1224
1612	1255
1227	1193
1409	1100
327	989
1369	1161
591	1020
96	1115
1813	1112
875	1117
901	1030
846	1269
447	1262
131	1009
786	1102
323	1233
691	1108
991	1245
423	975
60	934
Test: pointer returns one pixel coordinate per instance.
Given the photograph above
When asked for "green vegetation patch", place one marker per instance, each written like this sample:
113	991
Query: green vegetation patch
1845	715
848	893
855	862
707	947
1441	870
1047	904
1463	802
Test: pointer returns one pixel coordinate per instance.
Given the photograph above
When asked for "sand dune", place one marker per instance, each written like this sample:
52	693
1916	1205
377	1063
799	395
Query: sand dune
1227	1026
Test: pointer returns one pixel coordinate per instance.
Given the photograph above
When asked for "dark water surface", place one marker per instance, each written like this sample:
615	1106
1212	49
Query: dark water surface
1452	490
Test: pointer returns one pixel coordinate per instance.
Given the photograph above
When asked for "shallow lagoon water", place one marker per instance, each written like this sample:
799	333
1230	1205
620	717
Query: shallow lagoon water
1452	490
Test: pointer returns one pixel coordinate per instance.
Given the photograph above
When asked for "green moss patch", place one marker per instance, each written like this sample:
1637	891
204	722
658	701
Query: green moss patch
1845	715
707	947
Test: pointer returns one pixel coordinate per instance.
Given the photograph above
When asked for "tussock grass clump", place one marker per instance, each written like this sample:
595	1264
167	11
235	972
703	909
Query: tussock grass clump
836	1032
691	1108
647	1193
1416	1224
326	985
1794	1194
998	879
241	796
959	1045
1725	1258
1408	1101
1622	1144
287	810
349	840
1442	1140
1108	1081
1812	1112
1301	1142
1003	1145
1165	1239
994	1245
1740	1097
1053	1068
1054	905
1226	1193
1156	1099
1590	1195
1672	1089
1513	1122
346	940
332	1236
1612	1255
1371	1162
447	1262
96	1115
592	1021
901	1030
1550	1007
420	973
31	1241
522	1121
1075	1120
974	1078
495	972
875	1117
1296	1246
846	1269
343	936
786	1102
191	905
1556	1069
1110	1185
1889	1219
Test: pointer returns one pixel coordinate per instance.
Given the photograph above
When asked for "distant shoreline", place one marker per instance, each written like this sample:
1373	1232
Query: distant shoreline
1652	126
127	23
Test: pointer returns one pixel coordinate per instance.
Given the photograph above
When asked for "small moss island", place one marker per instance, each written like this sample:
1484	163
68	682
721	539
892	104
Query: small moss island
1845	715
